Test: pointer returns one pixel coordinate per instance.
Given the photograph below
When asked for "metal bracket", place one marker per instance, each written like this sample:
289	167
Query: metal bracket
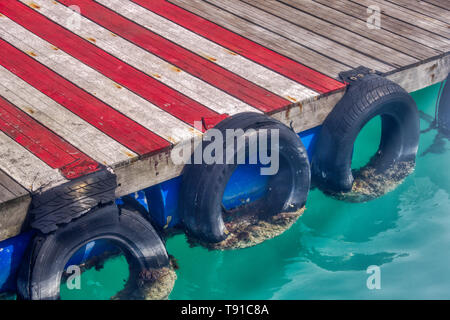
357	74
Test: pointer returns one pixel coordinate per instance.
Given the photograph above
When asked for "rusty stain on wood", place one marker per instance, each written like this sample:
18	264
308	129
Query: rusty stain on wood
128	154
288	111
31	53
210	58
231	52
171	140
118	86
34	5
173	68
54	48
29	110
91	39
155	75
292	99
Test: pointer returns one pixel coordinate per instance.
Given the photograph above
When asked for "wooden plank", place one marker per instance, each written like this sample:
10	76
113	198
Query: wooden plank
27	169
122	99
12	216
295	33
61	121
391	24
14	203
348	22
217	54
218	83
337	34
10	189
159	94
86	106
244	46
425	8
409	16
423	74
43	143
157	68
443	4
272	41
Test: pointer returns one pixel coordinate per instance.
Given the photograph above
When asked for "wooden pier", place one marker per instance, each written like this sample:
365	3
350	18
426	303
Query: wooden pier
115	83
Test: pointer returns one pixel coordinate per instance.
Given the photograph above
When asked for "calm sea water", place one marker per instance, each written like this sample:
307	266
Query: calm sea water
325	255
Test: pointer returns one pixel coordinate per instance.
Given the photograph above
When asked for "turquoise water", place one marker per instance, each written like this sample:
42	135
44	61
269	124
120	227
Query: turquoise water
325	255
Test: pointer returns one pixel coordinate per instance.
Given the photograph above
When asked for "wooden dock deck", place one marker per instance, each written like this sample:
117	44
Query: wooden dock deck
117	83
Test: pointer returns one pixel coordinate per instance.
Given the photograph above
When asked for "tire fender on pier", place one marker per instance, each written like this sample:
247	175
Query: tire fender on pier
47	255
203	185
368	95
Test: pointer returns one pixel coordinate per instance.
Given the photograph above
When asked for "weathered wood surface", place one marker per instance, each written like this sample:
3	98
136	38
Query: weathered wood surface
125	81
393	25
14	202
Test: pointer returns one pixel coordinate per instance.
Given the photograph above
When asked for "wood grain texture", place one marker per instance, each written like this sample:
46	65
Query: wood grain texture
284	21
409	16
60	120
424	8
121	99
9	188
85	50
443	4
297	52
212	80
43	143
212	51
359	27
341	38
391	24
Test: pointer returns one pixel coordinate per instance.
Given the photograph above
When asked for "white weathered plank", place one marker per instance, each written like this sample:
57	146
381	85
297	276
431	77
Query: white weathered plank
170	75
24	167
426	9
217	54
302	54
61	121
415	18
344	44
358	27
396	26
120	98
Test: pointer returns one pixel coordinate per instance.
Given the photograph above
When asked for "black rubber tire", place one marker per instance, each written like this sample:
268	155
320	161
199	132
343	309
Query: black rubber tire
203	185
43	264
365	99
444	109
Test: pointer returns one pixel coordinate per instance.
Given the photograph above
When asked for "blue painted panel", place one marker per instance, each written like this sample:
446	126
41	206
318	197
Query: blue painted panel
11	253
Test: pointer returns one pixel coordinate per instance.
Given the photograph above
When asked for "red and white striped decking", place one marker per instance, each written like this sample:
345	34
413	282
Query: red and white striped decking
116	83
125	80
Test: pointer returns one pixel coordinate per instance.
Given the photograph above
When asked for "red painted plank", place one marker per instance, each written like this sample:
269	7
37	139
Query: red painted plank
154	91
43	143
249	49
190	62
106	119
